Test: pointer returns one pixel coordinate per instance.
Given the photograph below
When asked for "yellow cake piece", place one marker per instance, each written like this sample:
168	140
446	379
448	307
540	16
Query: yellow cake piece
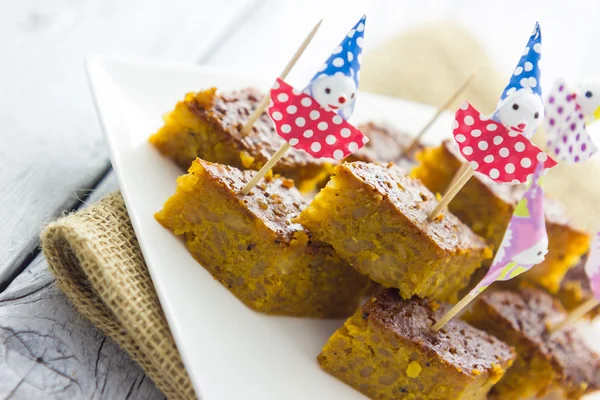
208	125
250	244
376	219
387	351
487	207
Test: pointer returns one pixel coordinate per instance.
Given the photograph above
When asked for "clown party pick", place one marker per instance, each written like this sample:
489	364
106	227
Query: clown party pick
265	100
315	120
503	155
520	111
525	244
592	271
568	139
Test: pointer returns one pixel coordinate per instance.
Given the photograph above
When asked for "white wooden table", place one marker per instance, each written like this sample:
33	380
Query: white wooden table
53	157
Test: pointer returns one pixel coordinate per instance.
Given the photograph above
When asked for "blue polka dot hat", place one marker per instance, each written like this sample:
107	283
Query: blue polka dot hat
528	72
344	60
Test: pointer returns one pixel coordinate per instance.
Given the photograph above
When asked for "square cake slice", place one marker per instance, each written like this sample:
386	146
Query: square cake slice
250	244
208	125
386	144
560	362
387	350
575	289
376	218
487	207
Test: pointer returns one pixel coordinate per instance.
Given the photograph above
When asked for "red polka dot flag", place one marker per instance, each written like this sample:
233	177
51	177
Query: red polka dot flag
305	125
491	149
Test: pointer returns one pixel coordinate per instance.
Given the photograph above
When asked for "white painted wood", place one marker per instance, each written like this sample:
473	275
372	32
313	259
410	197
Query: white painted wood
48	350
51	144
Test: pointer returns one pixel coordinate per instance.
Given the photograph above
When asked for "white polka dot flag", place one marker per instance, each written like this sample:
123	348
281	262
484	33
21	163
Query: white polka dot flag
592	266
305	125
491	149
528	71
568	139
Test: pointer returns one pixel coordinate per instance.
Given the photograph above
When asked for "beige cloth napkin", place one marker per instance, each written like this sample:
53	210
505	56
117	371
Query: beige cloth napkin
94	252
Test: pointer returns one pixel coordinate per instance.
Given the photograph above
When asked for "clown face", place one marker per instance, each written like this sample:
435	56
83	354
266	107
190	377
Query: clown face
521	112
334	92
533	255
588	97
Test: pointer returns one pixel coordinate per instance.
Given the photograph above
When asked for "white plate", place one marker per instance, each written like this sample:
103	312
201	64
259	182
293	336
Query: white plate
229	350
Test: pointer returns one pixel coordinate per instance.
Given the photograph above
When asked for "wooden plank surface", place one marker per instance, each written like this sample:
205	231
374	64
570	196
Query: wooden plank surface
48	350
51	141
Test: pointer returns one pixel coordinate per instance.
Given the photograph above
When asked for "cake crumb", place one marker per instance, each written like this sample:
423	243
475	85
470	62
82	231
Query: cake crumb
414	369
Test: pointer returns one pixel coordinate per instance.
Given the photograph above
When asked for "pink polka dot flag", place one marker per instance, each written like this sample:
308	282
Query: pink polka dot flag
491	149
305	125
568	139
592	266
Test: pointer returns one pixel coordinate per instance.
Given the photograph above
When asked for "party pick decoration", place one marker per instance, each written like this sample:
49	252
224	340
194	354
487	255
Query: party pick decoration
520	111
265	100
568	139
525	244
315	120
592	270
492	150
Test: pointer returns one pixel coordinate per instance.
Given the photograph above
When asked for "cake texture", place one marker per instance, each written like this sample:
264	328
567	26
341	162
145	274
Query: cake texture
386	144
387	350
250	244
560	362
575	289
376	218
208	125
487	207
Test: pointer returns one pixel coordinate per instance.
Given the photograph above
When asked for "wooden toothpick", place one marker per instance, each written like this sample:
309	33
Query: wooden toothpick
265	100
266	168
451	193
463	168
453	311
411	147
576	314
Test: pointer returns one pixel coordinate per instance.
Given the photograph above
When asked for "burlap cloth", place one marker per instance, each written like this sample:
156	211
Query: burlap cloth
94	252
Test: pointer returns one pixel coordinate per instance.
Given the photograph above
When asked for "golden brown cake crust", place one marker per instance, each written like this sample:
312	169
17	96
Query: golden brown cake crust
415	202
458	344
555	212
386	144
528	312
273	201
229	112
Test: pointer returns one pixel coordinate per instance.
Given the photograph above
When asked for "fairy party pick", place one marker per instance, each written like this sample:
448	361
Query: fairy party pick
265	100
592	271
565	122
314	120
499	146
525	244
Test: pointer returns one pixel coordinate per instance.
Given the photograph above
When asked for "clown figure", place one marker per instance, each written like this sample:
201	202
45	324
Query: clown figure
521	112
334	93
521	108
335	86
